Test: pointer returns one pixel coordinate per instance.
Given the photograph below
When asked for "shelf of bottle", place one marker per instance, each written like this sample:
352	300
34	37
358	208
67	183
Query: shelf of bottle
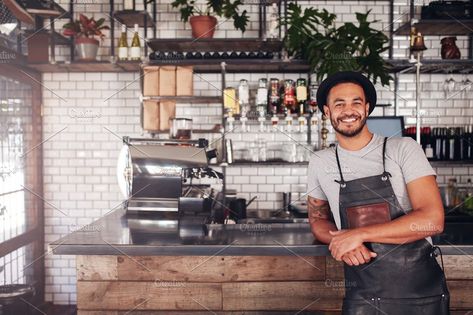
432	66
131	17
438	27
186	99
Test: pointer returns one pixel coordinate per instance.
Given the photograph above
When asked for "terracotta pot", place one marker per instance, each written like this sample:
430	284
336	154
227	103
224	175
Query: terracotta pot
86	48
449	48
203	26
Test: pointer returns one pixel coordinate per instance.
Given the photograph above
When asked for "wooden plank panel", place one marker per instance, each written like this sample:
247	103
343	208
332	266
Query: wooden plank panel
274	268
127	296
171	268
457	266
221	269
96	267
295	296
334	269
461	293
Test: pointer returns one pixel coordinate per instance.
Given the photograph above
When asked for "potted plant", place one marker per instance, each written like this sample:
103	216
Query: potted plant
312	35
203	22
84	31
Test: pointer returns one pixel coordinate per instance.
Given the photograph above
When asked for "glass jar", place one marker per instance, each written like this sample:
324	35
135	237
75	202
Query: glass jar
180	128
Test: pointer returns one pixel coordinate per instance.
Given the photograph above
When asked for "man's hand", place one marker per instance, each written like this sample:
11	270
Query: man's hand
344	241
359	256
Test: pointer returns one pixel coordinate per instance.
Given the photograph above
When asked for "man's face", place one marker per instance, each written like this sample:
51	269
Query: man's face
347	108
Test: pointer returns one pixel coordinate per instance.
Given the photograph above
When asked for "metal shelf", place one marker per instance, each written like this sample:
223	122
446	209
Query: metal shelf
238	65
433	66
214	44
268	163
87	66
186	99
438	27
130	18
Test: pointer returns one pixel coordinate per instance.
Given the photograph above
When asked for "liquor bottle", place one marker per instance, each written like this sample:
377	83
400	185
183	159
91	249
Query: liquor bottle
244	102
262	102
135	50
289	99
274	100
123	45
301	97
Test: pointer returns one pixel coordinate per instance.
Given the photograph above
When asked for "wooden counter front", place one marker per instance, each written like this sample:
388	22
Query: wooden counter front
116	285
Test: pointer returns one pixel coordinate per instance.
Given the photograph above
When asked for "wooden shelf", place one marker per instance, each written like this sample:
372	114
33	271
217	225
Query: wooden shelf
130	18
88	66
214	45
59	39
186	99
433	66
438	27
238	65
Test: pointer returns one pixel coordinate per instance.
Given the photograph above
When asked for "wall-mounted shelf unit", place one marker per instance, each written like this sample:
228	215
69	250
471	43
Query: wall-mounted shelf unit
130	18
87	66
214	44
433	66
439	27
186	99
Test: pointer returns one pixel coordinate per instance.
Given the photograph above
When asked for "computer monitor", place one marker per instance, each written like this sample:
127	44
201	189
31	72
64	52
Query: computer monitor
386	126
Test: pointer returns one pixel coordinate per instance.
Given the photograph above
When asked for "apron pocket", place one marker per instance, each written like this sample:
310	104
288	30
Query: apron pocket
360	307
433	305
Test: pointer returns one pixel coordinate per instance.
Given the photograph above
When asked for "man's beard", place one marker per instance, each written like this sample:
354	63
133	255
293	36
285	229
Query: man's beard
352	132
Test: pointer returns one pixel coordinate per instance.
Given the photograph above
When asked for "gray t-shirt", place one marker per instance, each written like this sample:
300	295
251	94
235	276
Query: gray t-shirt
405	160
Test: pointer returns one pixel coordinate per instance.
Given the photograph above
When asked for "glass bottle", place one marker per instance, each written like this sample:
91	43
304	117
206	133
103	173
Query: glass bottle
135	50
123	45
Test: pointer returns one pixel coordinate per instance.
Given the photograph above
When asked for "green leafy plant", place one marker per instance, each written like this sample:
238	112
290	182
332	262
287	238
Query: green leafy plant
312	35
85	27
223	8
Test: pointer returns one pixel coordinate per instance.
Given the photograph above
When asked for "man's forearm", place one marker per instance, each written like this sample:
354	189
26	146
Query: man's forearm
413	226
321	228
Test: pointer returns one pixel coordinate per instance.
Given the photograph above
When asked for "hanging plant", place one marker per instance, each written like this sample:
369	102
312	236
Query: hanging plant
313	36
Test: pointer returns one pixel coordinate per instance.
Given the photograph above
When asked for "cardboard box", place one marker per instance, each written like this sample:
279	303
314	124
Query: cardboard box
151	116
184	81
167	81
151	81
167	109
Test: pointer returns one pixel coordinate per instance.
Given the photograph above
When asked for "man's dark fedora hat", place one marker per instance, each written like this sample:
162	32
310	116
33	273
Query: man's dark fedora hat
342	77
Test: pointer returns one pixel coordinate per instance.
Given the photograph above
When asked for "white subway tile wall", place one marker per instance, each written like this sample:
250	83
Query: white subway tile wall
86	115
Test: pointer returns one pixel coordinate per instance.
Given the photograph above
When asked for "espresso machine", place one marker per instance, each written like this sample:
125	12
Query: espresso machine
156	176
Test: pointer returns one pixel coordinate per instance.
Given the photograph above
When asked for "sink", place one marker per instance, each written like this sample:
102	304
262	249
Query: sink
273	220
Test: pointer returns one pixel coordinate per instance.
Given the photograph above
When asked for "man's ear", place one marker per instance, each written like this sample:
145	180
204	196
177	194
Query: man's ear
326	111
367	108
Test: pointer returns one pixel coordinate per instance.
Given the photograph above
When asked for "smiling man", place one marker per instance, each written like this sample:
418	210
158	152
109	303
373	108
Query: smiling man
376	203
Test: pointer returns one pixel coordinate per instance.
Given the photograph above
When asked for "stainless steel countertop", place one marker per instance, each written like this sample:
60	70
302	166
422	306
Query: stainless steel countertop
121	234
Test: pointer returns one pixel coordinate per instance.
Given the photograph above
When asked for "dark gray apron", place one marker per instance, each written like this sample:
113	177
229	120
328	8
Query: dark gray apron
403	279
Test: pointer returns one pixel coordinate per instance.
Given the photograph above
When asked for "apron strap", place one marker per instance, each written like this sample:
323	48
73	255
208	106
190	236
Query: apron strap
385	174
341	181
